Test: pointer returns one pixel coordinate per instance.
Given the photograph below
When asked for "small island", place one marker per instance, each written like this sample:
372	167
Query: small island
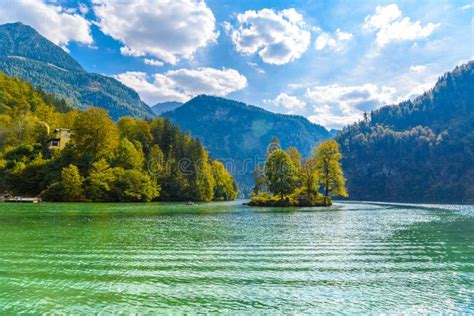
288	180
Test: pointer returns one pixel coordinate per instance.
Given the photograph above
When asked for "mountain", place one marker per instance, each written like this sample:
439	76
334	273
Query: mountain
239	134
416	151
24	53
160	108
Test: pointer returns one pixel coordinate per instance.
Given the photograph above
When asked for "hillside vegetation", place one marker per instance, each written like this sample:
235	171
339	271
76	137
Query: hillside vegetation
416	151
132	160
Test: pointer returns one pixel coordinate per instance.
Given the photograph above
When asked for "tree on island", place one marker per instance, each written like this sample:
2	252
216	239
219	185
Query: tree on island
309	176
328	166
295	181
281	173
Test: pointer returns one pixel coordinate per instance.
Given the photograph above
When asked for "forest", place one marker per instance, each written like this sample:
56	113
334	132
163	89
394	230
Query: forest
416	151
128	160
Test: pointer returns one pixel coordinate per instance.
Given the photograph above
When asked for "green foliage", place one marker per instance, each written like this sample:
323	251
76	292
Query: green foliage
295	157
281	173
95	134
309	176
68	189
17	123
202	186
27	55
156	161
134	160
119	185
328	166
295	199
132	185
129	156
224	188
416	151
99	183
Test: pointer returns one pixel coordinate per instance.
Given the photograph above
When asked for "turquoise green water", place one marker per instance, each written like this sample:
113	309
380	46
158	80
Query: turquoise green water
224	257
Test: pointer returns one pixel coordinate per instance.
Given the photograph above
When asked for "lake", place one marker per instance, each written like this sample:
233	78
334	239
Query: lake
224	257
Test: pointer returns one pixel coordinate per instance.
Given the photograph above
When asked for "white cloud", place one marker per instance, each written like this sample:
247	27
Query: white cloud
334	43
165	29
183	84
256	67
83	9
153	62
289	104
417	68
335	106
391	26
279	37
418	90
159	90
57	24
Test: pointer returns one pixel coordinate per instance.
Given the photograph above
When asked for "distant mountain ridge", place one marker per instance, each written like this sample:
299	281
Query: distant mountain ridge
163	107
24	53
239	134
416	151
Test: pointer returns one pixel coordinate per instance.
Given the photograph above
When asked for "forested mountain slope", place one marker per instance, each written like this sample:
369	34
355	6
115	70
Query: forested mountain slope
416	151
163	107
24	53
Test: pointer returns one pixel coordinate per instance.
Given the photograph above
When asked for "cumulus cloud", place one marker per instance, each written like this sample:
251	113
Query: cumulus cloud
153	62
165	29
56	23
160	88
183	84
335	106
391	26
332	42
284	103
279	37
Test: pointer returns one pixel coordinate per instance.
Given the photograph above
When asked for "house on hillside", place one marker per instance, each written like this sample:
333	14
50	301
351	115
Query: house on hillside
61	138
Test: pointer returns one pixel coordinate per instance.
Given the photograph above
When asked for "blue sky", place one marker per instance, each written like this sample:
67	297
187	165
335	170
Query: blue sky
326	60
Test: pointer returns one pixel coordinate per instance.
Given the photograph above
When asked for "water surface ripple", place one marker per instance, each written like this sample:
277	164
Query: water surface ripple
224	257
